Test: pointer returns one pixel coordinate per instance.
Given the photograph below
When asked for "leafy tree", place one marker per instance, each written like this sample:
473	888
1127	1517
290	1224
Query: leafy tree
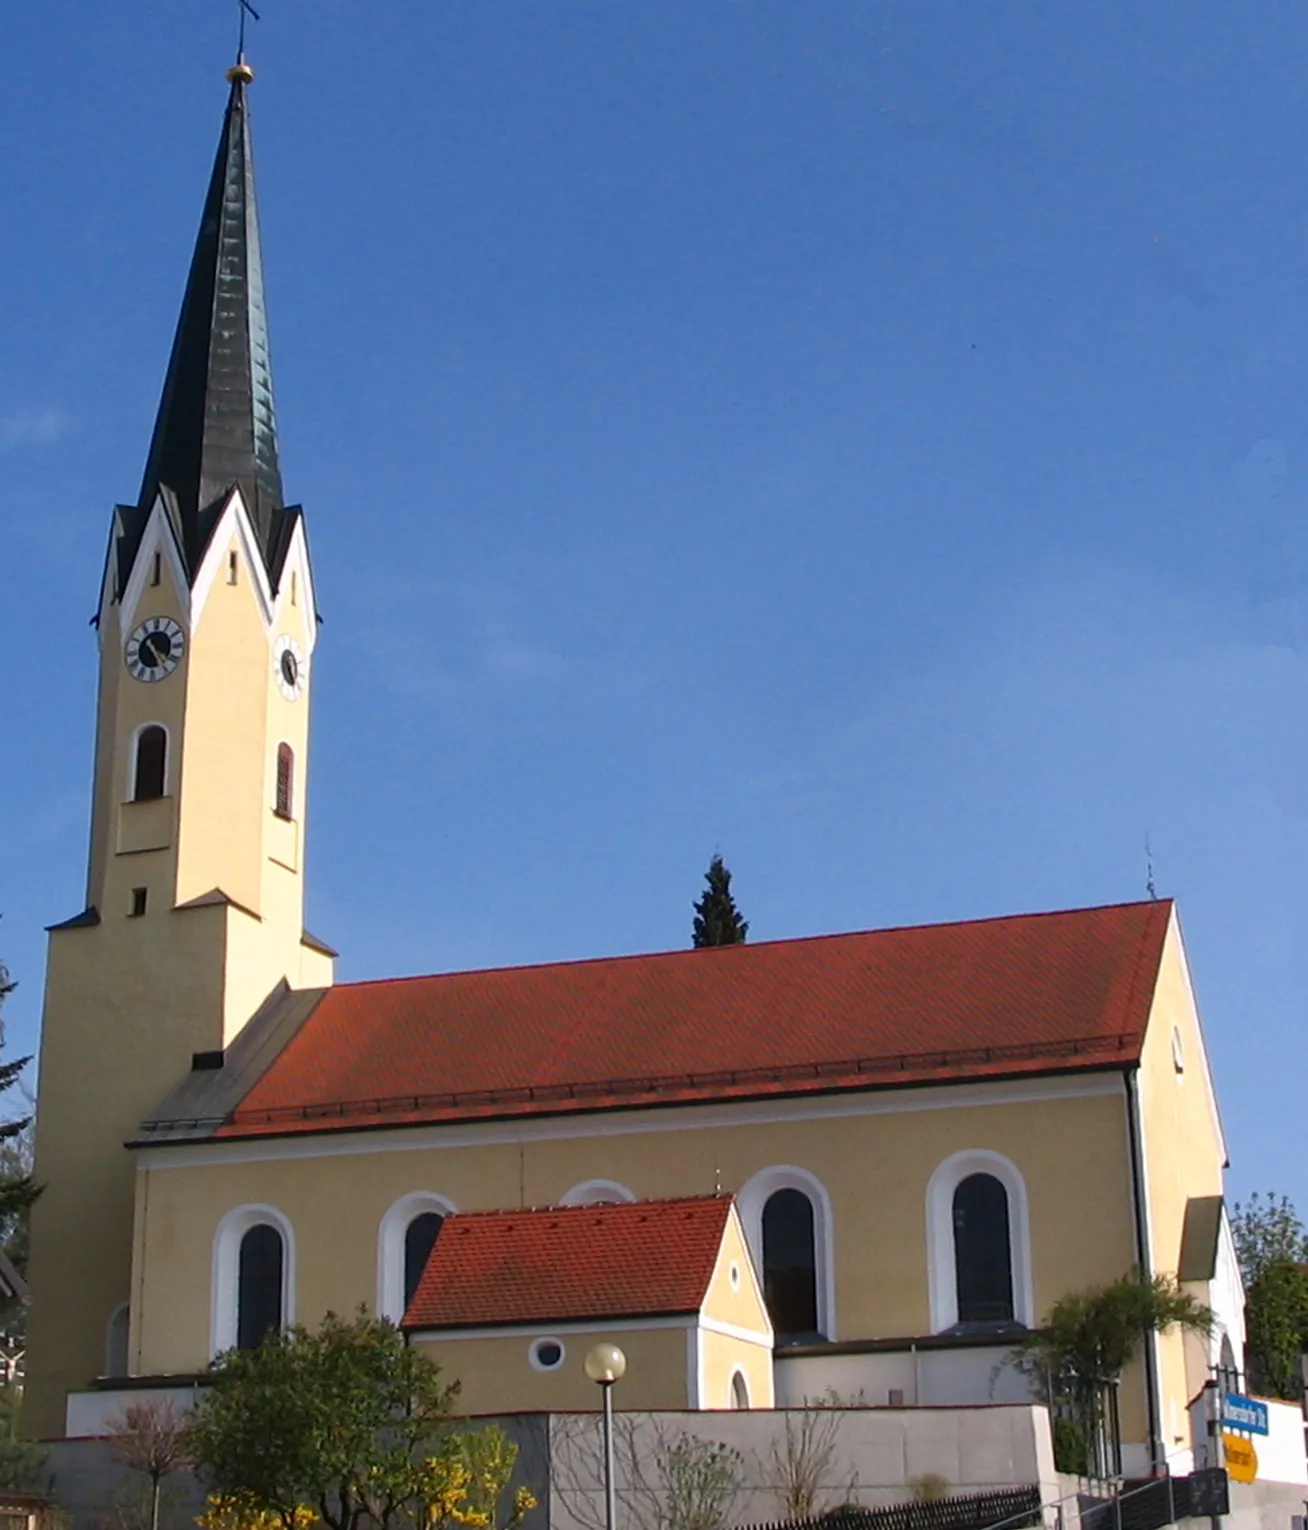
349	1423
1267	1232
1086	1341
1272	1248
717	919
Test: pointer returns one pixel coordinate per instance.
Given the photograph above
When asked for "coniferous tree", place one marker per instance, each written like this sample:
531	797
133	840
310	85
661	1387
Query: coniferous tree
717	919
17	1188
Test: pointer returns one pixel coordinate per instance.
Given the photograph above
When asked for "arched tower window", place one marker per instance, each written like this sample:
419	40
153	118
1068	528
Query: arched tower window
150	774
983	1251
115	1342
739	1390
790	1263
285	802
419	1240
259	1285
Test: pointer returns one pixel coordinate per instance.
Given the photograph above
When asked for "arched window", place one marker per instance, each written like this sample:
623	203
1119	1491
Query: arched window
983	1257
285	781
419	1240
253	1286
405	1239
790	1264
596	1192
739	1390
150	776
786	1214
978	1242
1228	1372
115	1342
259	1285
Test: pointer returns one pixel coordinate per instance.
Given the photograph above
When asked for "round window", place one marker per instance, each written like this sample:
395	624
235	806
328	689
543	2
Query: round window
546	1354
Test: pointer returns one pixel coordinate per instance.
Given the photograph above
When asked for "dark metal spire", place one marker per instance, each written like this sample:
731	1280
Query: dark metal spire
216	429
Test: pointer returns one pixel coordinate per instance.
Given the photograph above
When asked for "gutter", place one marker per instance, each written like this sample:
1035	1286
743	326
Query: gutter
1131	1078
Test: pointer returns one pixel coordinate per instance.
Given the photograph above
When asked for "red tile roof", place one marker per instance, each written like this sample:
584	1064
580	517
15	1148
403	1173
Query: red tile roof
1034	993
570	1263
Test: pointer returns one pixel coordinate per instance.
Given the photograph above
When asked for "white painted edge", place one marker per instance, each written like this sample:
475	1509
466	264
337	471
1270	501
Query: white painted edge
620	1123
552	1330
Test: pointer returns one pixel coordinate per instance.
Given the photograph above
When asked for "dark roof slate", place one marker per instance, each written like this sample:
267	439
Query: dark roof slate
216	428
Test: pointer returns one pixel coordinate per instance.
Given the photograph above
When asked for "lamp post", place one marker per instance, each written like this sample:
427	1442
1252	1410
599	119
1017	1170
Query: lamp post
606	1364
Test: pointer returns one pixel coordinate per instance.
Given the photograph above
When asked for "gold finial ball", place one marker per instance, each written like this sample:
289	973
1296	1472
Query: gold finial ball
240	73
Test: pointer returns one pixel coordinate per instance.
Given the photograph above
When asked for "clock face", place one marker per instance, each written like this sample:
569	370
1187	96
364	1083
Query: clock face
155	649
291	668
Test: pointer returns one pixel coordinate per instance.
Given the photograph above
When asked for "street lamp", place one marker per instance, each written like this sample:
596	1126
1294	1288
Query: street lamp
606	1364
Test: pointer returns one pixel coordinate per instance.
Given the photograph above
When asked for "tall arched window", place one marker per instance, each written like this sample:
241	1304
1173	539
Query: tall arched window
285	781
150	775
739	1390
790	1264
405	1238
259	1285
419	1240
983	1251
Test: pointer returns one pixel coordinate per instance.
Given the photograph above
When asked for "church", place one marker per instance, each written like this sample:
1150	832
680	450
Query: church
858	1166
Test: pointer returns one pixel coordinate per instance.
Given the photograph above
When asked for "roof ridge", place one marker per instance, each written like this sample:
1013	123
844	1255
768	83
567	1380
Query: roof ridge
723	1198
758	945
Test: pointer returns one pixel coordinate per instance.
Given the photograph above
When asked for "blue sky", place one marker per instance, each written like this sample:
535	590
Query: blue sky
865	438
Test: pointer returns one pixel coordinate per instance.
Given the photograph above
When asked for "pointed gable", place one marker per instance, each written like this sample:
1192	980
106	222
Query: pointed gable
570	1264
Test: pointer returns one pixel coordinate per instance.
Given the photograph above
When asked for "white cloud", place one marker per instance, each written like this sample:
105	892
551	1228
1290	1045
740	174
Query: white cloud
30	427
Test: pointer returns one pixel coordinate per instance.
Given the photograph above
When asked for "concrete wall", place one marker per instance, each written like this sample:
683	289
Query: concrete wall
872	1455
930	1378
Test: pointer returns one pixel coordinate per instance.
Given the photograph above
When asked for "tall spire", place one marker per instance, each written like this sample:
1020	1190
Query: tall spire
216	429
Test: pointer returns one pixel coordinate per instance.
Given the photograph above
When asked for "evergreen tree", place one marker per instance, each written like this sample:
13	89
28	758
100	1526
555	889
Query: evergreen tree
17	1188
717	919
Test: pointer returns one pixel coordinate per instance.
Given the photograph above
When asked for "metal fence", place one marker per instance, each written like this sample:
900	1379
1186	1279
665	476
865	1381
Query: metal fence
1012	1507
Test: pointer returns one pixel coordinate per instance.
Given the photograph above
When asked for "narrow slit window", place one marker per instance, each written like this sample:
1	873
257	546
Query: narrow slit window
156	568
231	568
285	781
150	776
295	589
139	895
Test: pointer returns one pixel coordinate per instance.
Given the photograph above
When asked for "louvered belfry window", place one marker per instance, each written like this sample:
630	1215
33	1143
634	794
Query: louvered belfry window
790	1264
151	764
983	1256
285	781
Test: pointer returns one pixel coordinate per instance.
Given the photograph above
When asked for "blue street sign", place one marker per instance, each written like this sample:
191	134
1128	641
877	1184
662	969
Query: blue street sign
1243	1413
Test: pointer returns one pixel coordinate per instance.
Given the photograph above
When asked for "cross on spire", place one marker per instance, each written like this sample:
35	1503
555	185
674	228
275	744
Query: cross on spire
245	9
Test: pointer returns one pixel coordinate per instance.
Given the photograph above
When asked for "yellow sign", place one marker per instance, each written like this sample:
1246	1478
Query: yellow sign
1241	1458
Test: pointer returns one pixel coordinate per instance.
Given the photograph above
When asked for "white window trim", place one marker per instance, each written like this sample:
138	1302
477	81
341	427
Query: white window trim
533	1354
750	1201
130	784
941	1270
226	1270
594	1192
390	1246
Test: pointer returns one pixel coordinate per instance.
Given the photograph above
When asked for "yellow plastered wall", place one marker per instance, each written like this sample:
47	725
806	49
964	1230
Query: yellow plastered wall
875	1169
128	1000
735	1300
496	1375
1184	1157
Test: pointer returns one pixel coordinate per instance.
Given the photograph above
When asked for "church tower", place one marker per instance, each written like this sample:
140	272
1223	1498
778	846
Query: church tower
195	890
